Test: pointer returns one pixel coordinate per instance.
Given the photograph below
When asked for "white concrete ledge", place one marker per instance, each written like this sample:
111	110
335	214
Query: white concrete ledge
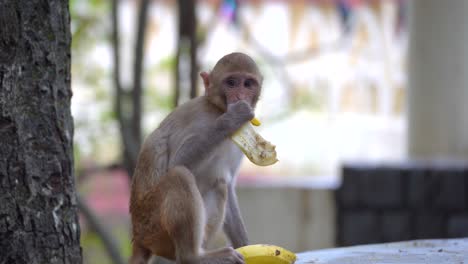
436	251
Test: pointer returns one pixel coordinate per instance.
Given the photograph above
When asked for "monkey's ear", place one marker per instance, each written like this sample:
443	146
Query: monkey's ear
206	79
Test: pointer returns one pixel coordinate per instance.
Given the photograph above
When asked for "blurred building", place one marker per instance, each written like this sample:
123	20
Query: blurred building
335	91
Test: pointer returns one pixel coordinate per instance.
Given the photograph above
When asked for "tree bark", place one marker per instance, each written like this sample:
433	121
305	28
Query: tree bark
38	210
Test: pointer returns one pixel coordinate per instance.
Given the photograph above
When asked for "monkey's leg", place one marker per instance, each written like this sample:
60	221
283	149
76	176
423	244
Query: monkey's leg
183	217
215	207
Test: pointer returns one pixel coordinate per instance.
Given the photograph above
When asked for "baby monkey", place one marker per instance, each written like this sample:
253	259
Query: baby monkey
183	187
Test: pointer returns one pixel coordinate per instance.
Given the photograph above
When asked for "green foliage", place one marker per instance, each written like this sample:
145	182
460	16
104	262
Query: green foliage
155	99
122	235
108	116
305	98
167	64
77	157
90	81
93	249
89	22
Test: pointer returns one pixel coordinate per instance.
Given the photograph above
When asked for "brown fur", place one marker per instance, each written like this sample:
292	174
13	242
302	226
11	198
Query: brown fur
183	186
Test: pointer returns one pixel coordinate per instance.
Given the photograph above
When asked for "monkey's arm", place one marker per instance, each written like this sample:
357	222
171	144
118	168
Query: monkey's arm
195	146
233	223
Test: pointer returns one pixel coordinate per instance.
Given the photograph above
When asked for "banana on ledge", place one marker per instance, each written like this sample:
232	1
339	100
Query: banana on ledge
266	254
257	149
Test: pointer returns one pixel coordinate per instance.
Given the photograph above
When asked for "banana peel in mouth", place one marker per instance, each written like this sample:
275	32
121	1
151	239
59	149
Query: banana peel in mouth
266	254
255	147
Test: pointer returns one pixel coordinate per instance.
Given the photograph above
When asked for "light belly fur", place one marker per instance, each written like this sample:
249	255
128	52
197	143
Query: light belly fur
220	170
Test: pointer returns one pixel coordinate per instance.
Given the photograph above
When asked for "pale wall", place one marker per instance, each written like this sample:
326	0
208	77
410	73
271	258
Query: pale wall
297	219
438	80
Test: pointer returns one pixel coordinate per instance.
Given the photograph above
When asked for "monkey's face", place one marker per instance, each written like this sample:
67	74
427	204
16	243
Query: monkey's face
235	77
239	86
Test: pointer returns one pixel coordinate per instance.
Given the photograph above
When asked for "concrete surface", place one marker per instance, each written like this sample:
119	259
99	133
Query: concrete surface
436	251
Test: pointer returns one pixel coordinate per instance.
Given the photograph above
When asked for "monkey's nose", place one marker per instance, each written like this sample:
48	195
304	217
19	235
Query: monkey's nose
242	97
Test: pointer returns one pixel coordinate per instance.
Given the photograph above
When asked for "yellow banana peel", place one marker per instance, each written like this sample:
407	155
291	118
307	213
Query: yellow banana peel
257	149
266	254
255	122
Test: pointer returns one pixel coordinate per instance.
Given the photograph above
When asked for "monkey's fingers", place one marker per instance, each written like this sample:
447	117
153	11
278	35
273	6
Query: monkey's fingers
257	149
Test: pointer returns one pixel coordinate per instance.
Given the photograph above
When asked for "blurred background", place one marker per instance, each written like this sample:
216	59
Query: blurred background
336	101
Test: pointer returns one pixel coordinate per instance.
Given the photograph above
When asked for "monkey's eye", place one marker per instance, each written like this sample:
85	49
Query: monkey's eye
249	83
231	82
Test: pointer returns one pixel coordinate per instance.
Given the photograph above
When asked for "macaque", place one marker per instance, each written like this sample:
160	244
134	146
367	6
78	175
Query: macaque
183	187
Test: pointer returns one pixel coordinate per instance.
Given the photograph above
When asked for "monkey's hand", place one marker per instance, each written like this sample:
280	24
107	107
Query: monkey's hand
237	114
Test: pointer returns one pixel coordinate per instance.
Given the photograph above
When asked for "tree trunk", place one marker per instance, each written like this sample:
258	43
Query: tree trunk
38	212
129	122
186	54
